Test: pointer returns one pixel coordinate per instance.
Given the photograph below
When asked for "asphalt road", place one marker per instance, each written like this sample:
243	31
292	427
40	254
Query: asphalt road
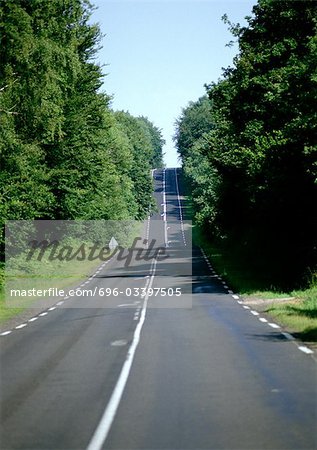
198	371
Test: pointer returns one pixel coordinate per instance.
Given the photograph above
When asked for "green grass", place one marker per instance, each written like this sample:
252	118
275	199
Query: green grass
5	312
24	273
300	315
8	309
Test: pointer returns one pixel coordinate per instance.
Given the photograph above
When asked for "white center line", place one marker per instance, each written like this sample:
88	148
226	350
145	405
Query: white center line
102	430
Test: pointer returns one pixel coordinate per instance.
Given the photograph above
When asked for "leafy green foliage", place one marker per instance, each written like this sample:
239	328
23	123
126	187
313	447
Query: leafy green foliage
64	154
193	129
157	142
142	156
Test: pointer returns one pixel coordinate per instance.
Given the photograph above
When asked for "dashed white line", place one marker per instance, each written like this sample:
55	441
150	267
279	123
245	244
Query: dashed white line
60	303
288	336
305	349
125	305
273	325
5	333
236	297
119	343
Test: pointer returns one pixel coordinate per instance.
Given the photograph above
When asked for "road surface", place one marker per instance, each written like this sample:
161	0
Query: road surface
189	372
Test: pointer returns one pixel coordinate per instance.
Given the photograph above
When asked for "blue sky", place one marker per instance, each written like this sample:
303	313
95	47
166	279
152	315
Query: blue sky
159	54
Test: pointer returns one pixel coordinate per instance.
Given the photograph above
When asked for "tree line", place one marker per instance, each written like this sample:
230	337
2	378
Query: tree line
248	147
65	154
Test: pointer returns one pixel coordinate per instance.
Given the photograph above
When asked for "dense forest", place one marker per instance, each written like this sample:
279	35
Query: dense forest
248	147
65	154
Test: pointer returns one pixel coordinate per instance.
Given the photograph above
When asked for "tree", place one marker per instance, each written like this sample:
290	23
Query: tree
142	150
157	142
64	153
192	141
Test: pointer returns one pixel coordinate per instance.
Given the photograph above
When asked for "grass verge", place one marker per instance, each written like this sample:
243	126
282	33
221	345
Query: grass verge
80	271
299	316
61	261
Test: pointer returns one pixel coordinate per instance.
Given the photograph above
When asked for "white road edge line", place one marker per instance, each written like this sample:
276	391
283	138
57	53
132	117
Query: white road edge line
273	325
305	349
100	435
60	303
288	336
